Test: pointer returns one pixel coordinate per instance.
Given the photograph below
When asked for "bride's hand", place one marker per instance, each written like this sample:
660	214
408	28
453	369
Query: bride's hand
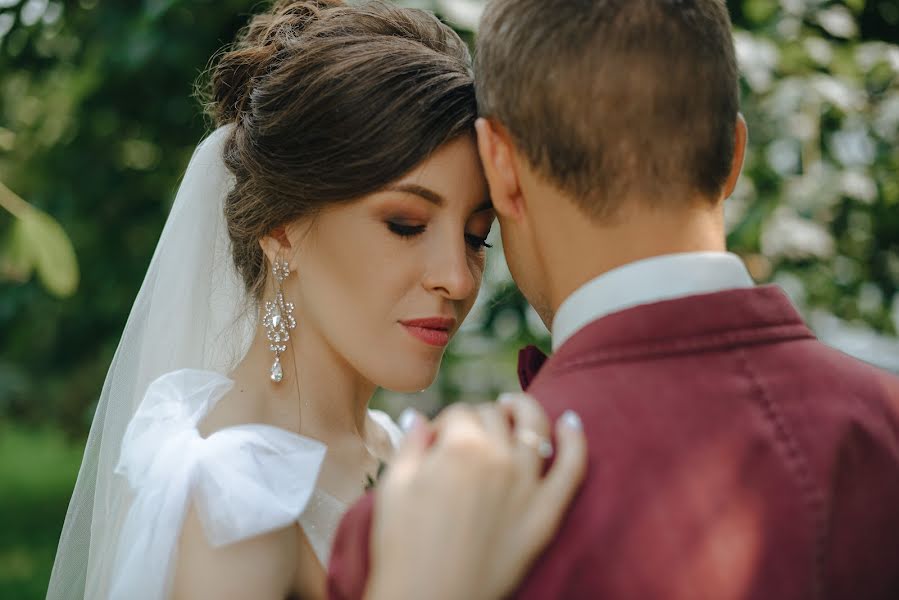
464	510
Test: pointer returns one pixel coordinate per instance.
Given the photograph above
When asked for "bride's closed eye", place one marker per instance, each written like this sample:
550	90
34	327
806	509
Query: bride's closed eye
410	231
405	231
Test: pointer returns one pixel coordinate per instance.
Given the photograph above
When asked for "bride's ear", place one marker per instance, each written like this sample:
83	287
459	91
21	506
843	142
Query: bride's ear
275	244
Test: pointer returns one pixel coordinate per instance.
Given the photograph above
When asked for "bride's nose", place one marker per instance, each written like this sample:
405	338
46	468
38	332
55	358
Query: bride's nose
449	271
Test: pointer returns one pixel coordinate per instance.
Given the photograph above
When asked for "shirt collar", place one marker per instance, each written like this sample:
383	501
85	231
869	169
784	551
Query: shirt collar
647	281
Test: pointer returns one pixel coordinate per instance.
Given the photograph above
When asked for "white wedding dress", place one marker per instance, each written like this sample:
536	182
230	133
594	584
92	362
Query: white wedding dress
145	461
244	481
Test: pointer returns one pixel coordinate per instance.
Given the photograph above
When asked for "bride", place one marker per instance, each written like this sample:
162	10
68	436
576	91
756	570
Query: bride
327	238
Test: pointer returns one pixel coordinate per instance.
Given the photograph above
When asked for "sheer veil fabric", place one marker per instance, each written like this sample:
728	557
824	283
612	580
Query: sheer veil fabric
192	312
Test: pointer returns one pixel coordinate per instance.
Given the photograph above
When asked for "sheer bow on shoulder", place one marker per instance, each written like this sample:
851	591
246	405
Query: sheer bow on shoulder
244	481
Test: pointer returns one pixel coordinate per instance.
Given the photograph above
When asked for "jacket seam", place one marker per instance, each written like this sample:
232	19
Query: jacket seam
707	343
798	464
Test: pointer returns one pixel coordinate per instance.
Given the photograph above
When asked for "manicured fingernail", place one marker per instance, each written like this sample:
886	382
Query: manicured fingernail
571	420
408	419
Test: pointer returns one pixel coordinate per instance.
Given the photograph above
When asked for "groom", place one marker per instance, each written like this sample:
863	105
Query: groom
732	455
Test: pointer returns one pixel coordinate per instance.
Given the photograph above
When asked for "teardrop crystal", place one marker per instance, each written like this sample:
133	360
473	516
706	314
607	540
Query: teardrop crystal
277	372
276	321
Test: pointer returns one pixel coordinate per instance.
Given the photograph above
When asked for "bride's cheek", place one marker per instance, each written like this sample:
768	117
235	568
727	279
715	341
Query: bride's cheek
478	265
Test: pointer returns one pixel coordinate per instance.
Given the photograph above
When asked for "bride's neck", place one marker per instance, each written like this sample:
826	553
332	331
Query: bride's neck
320	395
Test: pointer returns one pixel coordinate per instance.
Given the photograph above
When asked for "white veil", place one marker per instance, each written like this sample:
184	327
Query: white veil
192	311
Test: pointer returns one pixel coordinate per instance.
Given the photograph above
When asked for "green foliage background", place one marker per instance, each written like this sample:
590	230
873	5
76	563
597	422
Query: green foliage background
97	122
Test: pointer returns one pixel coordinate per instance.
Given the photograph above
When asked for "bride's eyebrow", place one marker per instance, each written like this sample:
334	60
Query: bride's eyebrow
417	190
432	196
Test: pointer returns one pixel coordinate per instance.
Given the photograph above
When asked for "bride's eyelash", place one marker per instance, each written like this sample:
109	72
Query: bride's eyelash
476	242
405	231
408	231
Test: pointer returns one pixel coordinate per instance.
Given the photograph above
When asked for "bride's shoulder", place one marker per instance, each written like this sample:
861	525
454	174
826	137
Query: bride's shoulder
164	454
190	418
195	391
173	403
189	380
204	400
240	482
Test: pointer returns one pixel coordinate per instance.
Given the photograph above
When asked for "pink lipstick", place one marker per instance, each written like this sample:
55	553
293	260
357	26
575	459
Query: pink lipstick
434	331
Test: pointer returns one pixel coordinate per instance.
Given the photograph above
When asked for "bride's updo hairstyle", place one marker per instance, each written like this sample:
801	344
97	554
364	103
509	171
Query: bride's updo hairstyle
331	102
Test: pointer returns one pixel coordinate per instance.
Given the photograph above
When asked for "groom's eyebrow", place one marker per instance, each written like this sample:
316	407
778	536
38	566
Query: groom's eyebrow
432	196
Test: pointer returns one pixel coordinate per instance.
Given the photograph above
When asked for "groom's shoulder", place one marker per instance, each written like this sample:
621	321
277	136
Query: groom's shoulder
691	356
744	460
774	404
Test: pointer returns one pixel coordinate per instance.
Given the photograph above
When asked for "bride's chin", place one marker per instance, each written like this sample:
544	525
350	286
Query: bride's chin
412	381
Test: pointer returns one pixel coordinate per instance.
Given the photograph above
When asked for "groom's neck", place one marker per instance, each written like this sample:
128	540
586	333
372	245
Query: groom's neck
576	249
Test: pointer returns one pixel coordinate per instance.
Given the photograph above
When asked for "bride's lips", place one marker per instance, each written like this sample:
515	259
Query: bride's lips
434	331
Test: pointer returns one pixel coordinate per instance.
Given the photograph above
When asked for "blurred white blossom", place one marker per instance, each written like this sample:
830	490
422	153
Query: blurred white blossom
859	185
7	20
838	21
783	156
793	287
886	118
853	147
33	11
52	14
788	235
840	93
857	340
818	50
817	188
870	297
757	58
794	7
466	13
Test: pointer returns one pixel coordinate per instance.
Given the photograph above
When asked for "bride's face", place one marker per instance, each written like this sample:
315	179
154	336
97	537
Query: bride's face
386	281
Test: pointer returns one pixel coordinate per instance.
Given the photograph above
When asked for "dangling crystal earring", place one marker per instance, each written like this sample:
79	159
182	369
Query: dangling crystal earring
279	319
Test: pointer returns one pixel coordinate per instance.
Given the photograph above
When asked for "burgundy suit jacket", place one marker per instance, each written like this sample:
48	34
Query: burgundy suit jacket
731	455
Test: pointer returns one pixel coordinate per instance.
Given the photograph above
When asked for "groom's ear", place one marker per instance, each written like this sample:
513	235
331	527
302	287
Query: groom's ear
741	136
498	158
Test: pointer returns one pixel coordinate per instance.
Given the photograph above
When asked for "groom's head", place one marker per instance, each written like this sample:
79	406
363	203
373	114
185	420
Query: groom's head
617	106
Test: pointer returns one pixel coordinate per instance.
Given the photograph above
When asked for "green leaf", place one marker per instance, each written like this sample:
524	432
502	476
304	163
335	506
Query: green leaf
858	6
154	9
16	258
760	11
46	243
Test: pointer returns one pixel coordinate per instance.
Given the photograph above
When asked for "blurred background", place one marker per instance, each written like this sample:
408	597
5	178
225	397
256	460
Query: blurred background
98	121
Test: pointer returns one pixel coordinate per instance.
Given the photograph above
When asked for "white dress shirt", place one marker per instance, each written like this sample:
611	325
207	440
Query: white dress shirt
647	281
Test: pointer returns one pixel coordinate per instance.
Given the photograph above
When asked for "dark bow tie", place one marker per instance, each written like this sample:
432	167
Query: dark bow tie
530	360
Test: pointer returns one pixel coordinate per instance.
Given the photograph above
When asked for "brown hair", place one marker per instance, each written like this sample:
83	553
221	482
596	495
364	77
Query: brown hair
614	99
331	102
